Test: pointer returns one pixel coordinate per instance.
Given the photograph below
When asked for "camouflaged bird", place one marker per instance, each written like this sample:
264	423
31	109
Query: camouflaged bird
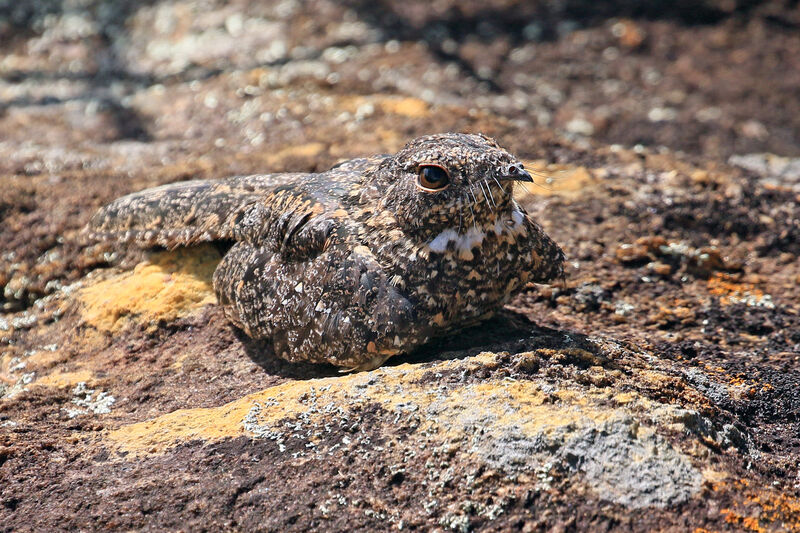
367	260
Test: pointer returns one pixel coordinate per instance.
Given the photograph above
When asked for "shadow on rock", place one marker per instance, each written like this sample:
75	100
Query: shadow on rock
506	332
262	354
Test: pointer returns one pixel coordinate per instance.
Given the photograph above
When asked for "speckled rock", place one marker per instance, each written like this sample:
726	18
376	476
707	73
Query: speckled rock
655	389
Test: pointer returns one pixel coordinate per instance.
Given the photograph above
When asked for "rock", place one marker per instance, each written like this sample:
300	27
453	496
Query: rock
775	170
655	388
662	257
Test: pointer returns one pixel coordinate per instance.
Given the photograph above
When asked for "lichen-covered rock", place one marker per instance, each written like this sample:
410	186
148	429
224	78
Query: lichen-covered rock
655	389
518	427
164	288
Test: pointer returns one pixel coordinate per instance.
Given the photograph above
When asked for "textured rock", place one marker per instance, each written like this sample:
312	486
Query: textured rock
516	427
655	389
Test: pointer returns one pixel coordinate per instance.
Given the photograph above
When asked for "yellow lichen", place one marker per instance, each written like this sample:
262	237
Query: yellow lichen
225	421
168	286
714	476
307	150
518	404
407	107
392	105
66	379
624	398
522	405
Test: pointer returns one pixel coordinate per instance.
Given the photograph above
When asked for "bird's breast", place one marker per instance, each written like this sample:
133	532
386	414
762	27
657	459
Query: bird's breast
463	273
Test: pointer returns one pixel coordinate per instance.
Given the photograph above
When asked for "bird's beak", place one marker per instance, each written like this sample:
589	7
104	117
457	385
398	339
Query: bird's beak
522	176
516	172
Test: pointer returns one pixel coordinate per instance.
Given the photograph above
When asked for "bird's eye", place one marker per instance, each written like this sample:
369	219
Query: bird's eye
433	178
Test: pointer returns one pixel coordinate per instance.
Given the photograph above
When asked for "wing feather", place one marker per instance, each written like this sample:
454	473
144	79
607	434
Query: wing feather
184	213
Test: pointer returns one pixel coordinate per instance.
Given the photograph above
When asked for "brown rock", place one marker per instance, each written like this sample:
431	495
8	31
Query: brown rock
622	400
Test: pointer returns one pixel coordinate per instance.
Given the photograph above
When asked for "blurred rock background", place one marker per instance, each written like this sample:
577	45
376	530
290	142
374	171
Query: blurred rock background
710	77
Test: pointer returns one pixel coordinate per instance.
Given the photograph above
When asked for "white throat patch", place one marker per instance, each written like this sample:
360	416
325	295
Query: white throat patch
464	243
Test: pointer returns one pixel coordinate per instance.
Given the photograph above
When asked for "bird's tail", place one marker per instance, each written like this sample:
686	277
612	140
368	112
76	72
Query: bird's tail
181	214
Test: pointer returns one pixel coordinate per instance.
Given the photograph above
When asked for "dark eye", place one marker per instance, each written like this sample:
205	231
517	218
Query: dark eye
433	178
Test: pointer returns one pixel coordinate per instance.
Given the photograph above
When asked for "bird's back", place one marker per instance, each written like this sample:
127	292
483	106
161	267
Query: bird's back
190	212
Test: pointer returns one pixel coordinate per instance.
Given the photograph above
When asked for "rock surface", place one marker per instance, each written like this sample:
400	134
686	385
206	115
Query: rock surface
657	388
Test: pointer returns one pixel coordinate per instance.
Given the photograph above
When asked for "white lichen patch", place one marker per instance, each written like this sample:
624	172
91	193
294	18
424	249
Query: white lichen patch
753	300
20	385
16	364
623	308
89	401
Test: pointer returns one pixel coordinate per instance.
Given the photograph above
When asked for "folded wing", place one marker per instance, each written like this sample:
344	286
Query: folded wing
184	213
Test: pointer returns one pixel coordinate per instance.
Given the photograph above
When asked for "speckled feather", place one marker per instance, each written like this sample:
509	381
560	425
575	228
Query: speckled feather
359	263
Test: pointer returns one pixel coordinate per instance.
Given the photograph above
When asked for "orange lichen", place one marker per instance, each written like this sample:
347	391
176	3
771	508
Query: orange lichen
739	382
773	508
748	523
730	290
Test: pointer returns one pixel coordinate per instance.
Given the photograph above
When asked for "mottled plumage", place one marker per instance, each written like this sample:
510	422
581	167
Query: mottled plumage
364	261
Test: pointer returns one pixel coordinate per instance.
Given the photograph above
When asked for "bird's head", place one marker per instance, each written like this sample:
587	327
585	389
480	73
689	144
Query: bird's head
447	180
